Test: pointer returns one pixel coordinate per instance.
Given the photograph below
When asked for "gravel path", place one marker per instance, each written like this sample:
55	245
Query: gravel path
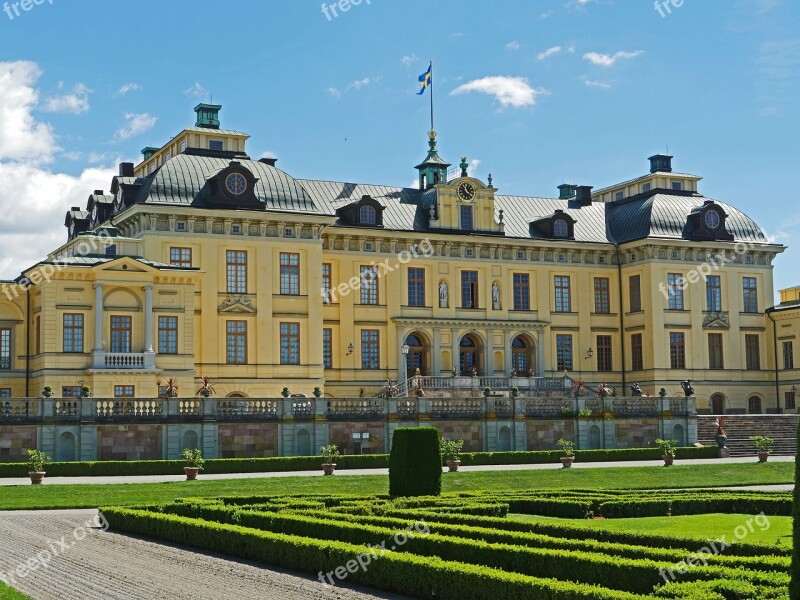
110	566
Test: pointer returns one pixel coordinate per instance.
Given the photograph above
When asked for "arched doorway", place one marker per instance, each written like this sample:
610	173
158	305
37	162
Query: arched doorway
504	439
65	448
521	355
754	405
190	440
469	355
303	443
717	404
678	435
417	357
595	443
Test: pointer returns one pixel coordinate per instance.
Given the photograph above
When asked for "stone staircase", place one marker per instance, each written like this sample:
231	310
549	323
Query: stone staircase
781	428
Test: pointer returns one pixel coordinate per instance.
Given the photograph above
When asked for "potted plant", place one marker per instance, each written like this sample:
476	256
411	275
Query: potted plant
722	437
36	462
487	391
451	453
568	448
194	462
47	392
329	454
667	448
285	392
763	446
171	389
514	392
317	392
86	391
206	390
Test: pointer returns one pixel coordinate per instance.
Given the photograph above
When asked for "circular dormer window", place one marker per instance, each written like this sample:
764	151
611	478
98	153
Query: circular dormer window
712	219
236	184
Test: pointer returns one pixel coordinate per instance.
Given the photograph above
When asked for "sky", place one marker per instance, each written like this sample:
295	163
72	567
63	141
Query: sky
534	92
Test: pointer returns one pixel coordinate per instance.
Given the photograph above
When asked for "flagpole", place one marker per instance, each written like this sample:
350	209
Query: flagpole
431	84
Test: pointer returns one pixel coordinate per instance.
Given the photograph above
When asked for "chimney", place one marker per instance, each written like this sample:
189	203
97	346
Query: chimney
660	163
98	192
76	209
583	195
268	161
207	115
566	191
126	169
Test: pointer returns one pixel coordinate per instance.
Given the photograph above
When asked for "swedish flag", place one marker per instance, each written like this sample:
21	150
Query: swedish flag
425	80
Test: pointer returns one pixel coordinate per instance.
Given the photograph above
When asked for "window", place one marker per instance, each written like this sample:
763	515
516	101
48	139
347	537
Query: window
715	358
520	255
327	348
604	353
111	250
750	291
466	218
180	257
180	226
168	335
560	229
416	287
288	232
38	334
5	348
216	145
637	352
369	285
73	333
71	391
754	405
562	287
236	229
469	289
236	332
5	392
469	253
367	215
789	402
564	352
675	291
183	146
562	258
522	291
237	271
752	352
602	302
646	187
124	391
290	343
326	283
120	334
677	186
748	259
619	195
635	289
713	293
788	355
601	260
290	274
674	255
370	350
677	350
167	156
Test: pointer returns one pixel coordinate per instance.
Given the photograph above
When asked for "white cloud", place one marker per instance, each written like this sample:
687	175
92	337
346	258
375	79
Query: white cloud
335	92
196	91
473	167
508	91
515	45
409	59
597	84
608	60
74	102
21	135
268	154
127	88
135	124
549	52
547	14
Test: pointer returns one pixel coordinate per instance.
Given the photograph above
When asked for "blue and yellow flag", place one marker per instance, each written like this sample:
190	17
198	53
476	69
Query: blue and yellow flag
425	80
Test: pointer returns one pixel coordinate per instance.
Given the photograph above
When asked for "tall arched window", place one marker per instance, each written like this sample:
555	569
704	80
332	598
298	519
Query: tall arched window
560	228
367	215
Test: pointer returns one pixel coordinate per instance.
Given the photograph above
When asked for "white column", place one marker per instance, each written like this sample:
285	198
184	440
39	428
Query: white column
436	369
98	317
148	318
508	357
540	337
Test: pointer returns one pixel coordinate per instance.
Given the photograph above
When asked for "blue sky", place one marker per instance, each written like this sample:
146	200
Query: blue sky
535	92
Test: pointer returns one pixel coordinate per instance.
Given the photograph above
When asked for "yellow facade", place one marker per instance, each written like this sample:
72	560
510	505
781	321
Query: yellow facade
468	304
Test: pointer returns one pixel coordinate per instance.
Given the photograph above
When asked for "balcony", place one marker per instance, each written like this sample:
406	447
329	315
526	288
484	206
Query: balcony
124	361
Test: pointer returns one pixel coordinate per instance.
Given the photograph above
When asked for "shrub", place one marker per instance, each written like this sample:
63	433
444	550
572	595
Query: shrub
193	458
794	586
567	447
415	464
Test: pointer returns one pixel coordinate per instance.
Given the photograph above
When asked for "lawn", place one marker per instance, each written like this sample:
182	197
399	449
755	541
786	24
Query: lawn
6	593
779	530
90	496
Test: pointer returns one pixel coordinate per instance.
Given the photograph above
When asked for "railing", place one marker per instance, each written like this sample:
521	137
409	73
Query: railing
190	407
18	409
456	408
407	408
635	407
245	407
129	408
550	408
502	408
303	409
535	386
362	408
66	408
124	361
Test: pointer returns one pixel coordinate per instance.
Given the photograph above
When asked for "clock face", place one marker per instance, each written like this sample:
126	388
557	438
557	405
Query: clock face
712	219
466	191
236	184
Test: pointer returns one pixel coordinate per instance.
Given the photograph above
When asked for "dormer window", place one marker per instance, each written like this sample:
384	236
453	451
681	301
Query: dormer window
367	215
466	218
712	219
707	222
560	229
646	187
619	195
216	145
677	186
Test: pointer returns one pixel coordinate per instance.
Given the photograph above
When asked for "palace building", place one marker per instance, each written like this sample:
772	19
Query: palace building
202	262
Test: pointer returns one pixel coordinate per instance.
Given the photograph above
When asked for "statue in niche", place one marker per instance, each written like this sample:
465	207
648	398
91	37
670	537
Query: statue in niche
495	296
443	295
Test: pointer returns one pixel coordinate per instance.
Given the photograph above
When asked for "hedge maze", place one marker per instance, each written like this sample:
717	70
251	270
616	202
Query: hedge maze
467	546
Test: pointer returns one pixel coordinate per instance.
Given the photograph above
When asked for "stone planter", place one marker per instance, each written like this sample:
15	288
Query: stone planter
763	456
36	477
191	473
453	465
566	461
668	460
721	440
328	468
